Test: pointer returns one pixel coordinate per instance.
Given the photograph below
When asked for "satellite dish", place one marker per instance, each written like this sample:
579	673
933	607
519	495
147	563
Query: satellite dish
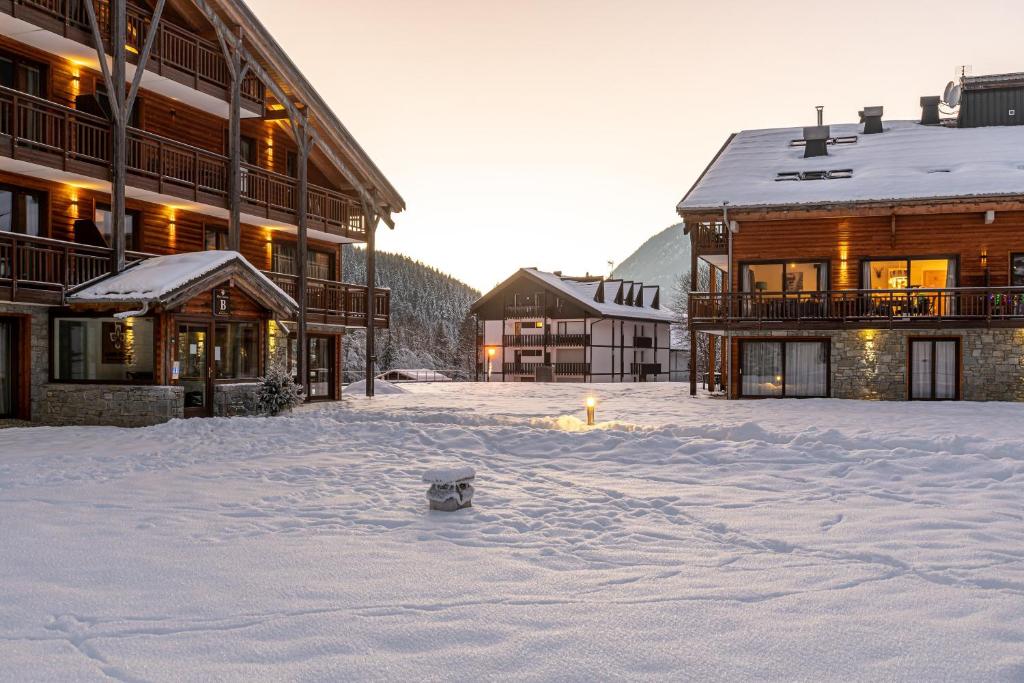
953	99
947	91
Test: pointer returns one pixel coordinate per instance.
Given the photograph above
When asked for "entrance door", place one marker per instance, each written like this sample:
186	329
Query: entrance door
321	368
934	369
8	368
194	342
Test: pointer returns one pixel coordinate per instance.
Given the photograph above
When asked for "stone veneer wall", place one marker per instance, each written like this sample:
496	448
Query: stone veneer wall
230	400
119	405
40	356
872	364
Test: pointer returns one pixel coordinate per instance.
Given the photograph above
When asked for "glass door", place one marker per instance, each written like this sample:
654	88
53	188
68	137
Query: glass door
934	369
8	369
321	364
193	368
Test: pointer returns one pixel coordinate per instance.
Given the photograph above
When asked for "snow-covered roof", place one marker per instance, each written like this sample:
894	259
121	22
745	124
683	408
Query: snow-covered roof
156	279
907	161
585	293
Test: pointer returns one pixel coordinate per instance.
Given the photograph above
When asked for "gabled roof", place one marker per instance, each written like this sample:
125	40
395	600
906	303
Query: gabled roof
171	280
585	294
908	161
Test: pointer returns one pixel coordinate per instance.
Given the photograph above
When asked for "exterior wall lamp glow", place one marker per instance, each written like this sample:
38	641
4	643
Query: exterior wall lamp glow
591	409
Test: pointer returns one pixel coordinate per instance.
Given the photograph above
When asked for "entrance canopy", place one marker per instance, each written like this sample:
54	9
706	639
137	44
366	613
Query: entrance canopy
169	281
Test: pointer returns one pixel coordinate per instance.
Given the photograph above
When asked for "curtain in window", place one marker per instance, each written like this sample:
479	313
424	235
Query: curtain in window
945	370
806	369
762	369
6	369
921	372
950	283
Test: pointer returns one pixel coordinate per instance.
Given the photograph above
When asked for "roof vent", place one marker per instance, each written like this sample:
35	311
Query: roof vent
557	273
872	119
930	110
817	141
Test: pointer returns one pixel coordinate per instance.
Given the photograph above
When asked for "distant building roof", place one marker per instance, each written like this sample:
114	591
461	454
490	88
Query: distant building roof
908	161
598	296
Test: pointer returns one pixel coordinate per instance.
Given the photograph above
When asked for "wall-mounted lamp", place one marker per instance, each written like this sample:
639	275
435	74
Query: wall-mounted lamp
984	258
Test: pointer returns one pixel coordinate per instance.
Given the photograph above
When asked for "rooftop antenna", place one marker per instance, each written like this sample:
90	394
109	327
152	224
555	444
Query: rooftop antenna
611	267
820	109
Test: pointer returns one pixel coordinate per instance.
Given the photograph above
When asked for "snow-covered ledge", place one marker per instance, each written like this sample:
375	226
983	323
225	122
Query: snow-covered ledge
450	488
119	405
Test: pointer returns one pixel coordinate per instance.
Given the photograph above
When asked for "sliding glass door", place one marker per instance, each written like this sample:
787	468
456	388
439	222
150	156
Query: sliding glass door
8	368
934	369
908	274
794	369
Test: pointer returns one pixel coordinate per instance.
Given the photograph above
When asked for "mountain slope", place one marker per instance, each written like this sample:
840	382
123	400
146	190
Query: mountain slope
659	261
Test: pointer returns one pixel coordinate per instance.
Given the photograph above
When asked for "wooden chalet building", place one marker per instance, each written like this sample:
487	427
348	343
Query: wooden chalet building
174	196
879	260
539	326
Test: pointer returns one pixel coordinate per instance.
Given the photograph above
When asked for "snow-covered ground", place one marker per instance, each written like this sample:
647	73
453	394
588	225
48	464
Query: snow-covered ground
682	539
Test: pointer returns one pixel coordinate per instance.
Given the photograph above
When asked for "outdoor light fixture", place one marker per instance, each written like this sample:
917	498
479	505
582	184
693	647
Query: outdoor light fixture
591	405
984	258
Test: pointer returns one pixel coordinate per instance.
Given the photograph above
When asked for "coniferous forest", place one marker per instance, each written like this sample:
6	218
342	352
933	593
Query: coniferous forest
431	327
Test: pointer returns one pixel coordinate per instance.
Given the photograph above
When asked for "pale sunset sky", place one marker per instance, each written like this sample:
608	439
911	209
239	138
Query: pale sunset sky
562	133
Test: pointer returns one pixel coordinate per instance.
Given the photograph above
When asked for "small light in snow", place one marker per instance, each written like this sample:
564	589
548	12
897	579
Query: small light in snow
591	405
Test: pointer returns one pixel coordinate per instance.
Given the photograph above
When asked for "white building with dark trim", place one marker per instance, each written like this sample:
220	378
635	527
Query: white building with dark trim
539	326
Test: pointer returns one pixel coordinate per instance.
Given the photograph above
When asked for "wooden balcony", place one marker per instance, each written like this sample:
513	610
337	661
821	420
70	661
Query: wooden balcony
530	369
520	311
641	369
337	303
178	54
555	340
40	270
710	238
42	132
572	368
860	308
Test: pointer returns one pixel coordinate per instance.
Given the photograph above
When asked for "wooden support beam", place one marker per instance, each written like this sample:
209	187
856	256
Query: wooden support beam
303	187
372	219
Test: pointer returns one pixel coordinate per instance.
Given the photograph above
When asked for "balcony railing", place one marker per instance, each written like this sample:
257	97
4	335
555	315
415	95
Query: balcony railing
525	311
852	306
337	303
642	369
710	238
569	340
572	368
178	53
46	133
38	269
530	369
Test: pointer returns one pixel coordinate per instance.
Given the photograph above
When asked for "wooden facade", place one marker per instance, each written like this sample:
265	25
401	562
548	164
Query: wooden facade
302	184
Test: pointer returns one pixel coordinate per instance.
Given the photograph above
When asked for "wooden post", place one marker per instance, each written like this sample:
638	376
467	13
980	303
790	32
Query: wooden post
237	71
304	144
119	136
693	335
371	284
712	340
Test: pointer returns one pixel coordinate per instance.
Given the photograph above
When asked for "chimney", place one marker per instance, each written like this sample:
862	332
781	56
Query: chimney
930	110
816	141
872	117
820	109
557	273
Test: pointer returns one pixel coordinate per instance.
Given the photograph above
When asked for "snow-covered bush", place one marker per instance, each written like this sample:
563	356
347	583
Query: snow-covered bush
278	391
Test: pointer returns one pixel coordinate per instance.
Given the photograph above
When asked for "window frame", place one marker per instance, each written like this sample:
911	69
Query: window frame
21	60
827	341
41	196
260	342
958	391
826	261
899	257
136	237
64	314
1009	280
219	232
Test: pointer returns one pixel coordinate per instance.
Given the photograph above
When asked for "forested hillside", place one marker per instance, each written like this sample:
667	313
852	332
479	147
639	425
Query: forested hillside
659	261
430	323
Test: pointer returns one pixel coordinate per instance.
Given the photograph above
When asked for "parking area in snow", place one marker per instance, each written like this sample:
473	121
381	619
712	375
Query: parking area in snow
680	538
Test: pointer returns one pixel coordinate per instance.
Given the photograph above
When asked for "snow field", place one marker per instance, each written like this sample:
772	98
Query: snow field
680	539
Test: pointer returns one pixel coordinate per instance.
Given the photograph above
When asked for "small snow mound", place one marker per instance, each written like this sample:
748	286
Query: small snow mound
379	387
448	475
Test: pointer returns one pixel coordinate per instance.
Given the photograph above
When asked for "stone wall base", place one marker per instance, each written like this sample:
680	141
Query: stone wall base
872	364
231	400
118	405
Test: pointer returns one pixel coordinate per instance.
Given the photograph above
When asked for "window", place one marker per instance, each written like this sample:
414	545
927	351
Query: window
236	351
292	164
249	150
934	369
789	277
21	74
1017	270
911	273
103	350
103	224
215	238
284	259
794	369
21	210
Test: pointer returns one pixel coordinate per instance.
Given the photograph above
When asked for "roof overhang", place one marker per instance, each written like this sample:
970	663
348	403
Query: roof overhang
167	282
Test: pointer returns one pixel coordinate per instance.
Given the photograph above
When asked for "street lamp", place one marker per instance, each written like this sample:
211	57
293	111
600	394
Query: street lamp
490	358
591	406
